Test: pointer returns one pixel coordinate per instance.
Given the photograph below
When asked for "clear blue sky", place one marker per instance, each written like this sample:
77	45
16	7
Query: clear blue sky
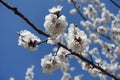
14	59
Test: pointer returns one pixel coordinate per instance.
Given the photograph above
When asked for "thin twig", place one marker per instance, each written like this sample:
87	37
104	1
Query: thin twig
57	50
112	1
74	4
43	41
90	56
60	44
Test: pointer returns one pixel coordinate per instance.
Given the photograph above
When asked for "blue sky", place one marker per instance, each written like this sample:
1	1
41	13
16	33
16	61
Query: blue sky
14	59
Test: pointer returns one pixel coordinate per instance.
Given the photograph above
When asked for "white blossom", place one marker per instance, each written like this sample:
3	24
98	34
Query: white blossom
72	69
85	66
11	78
29	73
102	6
96	3
61	54
53	40
105	65
78	77
105	15
102	30
73	11
65	66
114	66
97	21
50	63
66	76
117	51
70	1
94	72
55	9
93	51
90	12
98	60
102	77
28	40
90	69
76	39
94	36
86	24
118	15
115	26
55	25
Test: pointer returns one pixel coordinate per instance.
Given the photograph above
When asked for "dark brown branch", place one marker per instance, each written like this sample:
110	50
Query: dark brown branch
91	63
56	52
43	41
95	66
112	1
14	9
74	4
90	56
107	37
60	44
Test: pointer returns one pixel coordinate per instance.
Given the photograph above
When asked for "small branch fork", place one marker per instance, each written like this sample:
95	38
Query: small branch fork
59	44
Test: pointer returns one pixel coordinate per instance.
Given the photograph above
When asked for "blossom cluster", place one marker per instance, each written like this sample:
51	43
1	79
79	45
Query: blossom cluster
29	73
28	40
99	24
52	62
77	40
55	23
115	30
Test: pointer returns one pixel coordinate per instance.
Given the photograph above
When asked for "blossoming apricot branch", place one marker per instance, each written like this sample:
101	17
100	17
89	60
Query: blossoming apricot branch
77	45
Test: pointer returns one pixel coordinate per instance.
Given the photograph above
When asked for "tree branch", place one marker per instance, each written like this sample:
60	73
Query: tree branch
60	44
15	10
85	19
91	63
74	4
112	1
43	41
